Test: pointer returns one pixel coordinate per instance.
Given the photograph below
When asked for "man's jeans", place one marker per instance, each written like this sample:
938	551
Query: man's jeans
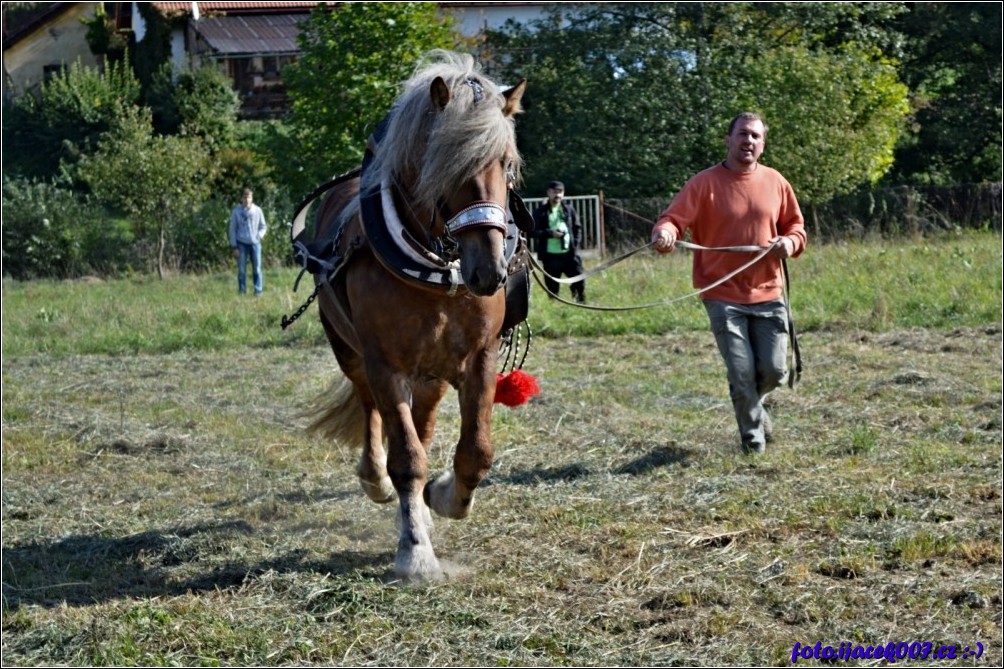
248	252
753	341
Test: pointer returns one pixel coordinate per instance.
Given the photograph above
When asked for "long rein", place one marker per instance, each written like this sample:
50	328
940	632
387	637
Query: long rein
761	252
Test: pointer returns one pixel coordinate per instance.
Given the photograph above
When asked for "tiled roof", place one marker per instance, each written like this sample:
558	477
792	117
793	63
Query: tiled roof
36	18
206	8
255	34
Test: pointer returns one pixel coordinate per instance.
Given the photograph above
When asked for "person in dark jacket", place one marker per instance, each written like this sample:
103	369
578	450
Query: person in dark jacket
558	232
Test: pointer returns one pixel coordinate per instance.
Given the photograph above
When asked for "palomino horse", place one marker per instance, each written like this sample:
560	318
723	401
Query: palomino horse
440	173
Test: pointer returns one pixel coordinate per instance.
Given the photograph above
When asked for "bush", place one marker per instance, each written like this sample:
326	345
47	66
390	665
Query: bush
72	110
49	231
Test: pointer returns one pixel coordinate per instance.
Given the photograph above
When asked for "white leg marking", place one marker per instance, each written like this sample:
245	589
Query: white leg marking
416	561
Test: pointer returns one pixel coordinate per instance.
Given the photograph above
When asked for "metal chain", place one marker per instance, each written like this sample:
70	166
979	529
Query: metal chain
289	320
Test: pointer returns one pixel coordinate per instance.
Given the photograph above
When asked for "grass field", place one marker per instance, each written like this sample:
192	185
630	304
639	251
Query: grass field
162	504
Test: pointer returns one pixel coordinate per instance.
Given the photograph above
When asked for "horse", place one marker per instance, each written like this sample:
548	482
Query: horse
443	166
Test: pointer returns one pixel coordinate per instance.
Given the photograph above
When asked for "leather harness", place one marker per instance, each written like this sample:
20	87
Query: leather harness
431	266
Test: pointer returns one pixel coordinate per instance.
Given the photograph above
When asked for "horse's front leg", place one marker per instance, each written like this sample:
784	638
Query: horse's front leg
406	465
452	493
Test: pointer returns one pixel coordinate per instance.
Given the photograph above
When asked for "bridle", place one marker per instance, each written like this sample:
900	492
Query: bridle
480	213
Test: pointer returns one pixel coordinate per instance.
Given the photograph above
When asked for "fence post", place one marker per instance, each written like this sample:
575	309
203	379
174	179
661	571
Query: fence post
602	241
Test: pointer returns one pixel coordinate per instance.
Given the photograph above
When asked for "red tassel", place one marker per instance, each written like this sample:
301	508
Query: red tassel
515	388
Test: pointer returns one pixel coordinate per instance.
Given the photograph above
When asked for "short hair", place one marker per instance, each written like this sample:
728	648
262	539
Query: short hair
748	116
246	191
555	185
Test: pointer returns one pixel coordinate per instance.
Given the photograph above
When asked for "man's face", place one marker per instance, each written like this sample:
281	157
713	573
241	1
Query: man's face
746	142
247	198
555	195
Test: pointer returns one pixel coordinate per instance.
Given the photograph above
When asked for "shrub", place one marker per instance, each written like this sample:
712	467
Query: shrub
49	231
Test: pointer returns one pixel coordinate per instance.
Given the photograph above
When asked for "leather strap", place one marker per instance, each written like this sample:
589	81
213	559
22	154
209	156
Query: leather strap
795	373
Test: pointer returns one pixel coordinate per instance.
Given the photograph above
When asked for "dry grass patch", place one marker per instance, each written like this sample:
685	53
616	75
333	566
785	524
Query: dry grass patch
170	510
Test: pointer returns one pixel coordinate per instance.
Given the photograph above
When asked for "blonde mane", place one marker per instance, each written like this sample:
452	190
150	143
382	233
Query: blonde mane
429	153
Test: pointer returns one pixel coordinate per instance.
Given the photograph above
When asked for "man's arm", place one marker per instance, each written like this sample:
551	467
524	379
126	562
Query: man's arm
262	228
540	231
232	230
791	225
576	227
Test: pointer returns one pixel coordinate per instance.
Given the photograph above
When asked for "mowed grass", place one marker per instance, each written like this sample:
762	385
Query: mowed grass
162	504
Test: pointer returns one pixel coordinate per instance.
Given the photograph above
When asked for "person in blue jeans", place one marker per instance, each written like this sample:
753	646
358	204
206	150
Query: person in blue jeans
247	227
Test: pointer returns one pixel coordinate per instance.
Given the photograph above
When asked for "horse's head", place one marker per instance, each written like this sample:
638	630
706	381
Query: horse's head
451	150
473	210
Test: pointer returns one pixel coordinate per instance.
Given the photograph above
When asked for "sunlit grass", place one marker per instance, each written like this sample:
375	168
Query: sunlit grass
951	281
163	505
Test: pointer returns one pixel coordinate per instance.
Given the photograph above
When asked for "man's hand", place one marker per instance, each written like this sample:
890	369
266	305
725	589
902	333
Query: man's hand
664	241
782	247
237	253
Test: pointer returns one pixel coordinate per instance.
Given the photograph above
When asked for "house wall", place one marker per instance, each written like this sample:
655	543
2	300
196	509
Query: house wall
179	51
472	18
62	40
58	42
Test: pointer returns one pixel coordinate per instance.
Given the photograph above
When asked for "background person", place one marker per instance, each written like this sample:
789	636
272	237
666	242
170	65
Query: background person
247	228
736	203
558	232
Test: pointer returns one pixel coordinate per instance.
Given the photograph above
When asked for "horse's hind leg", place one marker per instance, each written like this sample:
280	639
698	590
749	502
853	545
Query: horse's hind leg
372	466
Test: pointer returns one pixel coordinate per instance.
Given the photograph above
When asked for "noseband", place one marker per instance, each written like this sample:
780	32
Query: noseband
479	215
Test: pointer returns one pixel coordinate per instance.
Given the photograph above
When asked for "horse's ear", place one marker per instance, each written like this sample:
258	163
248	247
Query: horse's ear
440	93
512	98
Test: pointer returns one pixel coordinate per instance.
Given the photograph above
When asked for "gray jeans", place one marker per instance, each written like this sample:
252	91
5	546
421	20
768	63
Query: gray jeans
753	341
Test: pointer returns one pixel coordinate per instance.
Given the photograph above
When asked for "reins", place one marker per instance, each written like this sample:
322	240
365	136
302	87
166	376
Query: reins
761	251
795	372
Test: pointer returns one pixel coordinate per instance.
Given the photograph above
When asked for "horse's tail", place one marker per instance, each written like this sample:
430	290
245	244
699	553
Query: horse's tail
338	414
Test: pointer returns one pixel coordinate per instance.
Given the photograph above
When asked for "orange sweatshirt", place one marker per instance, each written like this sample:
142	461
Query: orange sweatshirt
725	208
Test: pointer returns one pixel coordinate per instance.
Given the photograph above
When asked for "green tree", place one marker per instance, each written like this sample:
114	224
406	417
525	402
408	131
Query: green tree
610	99
51	231
346	80
102	38
156	181
632	99
835	117
154	50
953	67
197	101
64	122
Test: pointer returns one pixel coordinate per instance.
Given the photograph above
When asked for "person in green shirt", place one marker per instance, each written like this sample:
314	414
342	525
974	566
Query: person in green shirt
558	233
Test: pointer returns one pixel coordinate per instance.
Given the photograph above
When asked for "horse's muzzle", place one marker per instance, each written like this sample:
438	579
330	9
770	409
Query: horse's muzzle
485	280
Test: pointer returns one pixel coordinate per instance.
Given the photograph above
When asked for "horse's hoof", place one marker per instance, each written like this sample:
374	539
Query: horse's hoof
441	496
417	565
382	492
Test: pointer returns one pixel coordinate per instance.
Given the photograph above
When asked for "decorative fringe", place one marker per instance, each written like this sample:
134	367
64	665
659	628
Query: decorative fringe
515	388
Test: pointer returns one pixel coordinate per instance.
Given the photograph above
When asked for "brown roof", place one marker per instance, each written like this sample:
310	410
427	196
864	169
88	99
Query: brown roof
206	8
273	34
32	19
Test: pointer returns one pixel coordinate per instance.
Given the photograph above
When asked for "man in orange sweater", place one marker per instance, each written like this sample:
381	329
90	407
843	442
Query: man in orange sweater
740	202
